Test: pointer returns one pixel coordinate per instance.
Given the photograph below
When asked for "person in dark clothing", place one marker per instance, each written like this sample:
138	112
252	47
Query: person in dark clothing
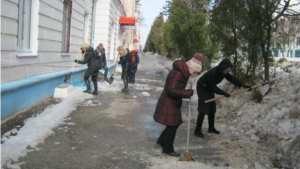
101	56
125	62
167	111
135	60
206	88
93	67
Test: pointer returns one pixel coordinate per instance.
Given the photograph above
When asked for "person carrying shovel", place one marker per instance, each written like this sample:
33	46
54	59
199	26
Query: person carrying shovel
167	111
101	57
206	88
93	67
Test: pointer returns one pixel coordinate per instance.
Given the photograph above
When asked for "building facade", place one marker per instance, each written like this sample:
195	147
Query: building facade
132	30
42	36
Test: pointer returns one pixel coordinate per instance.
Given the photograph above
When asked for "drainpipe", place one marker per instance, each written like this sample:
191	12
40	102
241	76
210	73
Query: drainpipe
93	23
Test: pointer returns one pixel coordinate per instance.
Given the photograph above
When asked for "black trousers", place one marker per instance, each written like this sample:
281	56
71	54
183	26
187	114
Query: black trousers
132	77
166	139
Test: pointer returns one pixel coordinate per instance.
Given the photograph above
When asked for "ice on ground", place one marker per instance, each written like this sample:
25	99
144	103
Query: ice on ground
145	94
37	128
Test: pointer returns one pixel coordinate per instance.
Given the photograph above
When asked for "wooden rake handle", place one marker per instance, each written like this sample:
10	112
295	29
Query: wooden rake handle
237	92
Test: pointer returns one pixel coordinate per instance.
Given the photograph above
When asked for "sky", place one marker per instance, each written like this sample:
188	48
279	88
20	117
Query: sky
150	9
247	127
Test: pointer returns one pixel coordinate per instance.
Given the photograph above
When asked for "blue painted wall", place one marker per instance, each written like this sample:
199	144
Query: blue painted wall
21	94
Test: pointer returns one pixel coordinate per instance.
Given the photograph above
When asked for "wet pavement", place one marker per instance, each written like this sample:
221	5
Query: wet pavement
119	132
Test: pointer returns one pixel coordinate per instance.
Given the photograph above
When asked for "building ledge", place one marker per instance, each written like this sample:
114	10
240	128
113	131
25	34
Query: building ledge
24	55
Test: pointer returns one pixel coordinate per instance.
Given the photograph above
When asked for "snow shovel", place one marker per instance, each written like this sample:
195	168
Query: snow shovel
111	79
239	91
187	156
68	76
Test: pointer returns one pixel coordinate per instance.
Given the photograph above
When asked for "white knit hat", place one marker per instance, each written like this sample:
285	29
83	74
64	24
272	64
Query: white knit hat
196	62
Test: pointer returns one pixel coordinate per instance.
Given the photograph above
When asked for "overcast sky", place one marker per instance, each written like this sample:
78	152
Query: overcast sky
150	9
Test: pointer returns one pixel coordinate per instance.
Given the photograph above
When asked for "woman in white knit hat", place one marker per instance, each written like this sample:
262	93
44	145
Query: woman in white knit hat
167	111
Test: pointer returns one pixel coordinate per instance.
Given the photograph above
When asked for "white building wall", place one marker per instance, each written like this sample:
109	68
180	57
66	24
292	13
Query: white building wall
107	27
45	54
132	31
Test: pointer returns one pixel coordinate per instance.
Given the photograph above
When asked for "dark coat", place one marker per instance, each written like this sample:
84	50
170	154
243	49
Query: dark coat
207	86
167	111
101	57
125	61
91	61
135	65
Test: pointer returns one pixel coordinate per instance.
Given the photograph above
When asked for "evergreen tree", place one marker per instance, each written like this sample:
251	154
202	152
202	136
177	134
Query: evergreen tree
154	42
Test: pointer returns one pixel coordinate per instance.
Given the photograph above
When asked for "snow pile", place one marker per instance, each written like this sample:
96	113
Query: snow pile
269	131
260	135
38	128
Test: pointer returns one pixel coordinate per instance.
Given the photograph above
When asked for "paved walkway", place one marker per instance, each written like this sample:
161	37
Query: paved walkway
119	132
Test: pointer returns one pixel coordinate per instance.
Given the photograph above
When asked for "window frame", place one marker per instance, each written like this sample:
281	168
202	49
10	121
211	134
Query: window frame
20	32
66	25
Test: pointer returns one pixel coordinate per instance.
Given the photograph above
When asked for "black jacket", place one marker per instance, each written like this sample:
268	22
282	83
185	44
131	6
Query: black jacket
91	61
125	61
101	56
207	86
135	65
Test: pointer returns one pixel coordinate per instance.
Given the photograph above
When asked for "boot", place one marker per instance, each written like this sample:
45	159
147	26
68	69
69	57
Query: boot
126	89
122	90
88	86
198	130
95	88
105	76
211	124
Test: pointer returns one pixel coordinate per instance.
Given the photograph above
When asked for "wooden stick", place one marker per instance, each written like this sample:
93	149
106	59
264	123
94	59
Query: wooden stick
237	92
75	62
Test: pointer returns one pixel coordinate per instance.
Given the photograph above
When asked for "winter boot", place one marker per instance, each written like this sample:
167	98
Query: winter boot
126	89
88	86
198	130
95	88
124	85
211	124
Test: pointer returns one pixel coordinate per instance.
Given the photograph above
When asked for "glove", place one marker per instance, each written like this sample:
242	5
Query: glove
191	92
76	60
246	86
226	94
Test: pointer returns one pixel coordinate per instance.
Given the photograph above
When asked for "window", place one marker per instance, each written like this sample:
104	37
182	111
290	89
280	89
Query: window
67	11
24	25
86	27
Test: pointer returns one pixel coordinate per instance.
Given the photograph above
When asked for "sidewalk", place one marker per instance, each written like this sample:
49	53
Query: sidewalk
117	130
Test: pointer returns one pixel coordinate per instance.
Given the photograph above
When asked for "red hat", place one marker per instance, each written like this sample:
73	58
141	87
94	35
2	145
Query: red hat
133	52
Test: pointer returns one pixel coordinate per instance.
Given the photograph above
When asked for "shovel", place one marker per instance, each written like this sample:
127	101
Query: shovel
240	91
111	79
68	77
187	156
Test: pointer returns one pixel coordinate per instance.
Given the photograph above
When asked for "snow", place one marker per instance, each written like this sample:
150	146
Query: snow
267	131
272	125
37	129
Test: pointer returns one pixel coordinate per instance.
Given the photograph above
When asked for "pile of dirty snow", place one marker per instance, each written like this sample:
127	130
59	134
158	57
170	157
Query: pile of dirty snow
260	135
